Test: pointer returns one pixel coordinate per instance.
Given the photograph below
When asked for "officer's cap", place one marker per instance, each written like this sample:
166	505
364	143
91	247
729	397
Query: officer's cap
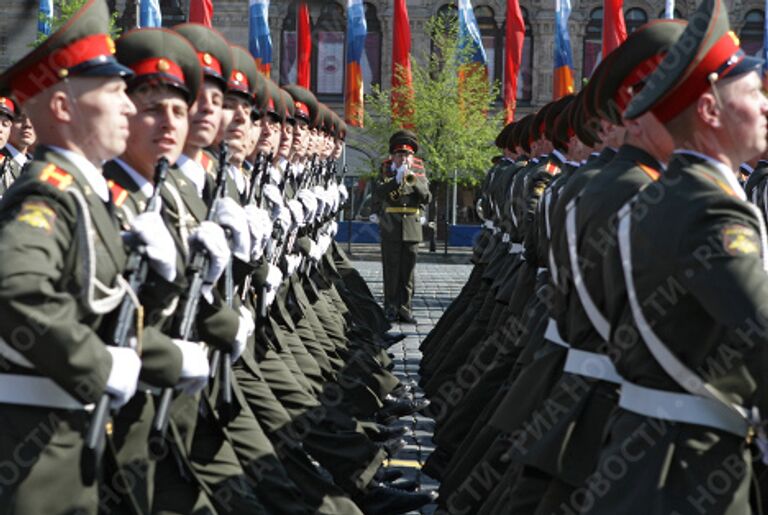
272	100
212	50
245	79
503	135
706	52
326	124
520	133
562	130
403	141
304	104
8	108
81	47
160	56
553	113
633	62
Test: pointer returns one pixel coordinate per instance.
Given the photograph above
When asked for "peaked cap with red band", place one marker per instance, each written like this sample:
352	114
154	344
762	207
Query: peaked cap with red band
163	57
503	136
706	52
8	107
518	136
562	132
554	112
633	62
213	52
304	103
245	78
287	106
403	141
81	47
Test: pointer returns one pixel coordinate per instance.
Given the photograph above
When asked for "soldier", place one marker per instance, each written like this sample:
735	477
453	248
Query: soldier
692	363
63	258
8	167
399	197
20	142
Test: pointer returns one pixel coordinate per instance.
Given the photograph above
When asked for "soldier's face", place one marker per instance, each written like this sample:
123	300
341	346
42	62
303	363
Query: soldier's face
338	147
743	117
237	132
300	138
5	130
270	134
400	158
97	114
286	139
159	128
205	115
22	132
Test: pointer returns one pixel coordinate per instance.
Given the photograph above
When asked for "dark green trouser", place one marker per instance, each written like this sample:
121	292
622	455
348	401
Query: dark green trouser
398	263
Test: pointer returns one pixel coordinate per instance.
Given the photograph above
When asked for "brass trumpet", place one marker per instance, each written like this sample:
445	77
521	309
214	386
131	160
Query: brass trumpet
408	180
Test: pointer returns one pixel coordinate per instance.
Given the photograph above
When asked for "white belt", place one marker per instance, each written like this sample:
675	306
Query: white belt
591	364
37	391
682	407
553	334
516	248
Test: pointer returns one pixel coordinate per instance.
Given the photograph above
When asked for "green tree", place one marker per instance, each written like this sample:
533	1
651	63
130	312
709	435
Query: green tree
63	11
454	117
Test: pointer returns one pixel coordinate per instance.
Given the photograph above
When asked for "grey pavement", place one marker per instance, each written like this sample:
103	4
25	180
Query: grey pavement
437	284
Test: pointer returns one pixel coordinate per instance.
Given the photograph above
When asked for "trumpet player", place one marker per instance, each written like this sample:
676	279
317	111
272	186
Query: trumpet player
399	198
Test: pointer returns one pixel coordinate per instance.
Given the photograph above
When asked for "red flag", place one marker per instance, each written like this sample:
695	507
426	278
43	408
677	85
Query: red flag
614	29
201	11
305	46
513	56
402	82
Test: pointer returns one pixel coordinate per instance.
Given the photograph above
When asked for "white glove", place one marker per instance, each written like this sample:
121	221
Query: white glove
161	250
422	220
315	252
324	241
333	229
194	366
322	200
124	375
292	262
213	239
286	220
244	330
272	193
309	203
260	225
275	174
297	212
274	278
374	218
229	214
400	174
343	194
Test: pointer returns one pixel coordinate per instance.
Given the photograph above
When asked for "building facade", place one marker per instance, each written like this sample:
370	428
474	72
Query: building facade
19	17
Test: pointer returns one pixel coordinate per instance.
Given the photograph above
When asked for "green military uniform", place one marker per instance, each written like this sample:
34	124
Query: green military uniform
400	207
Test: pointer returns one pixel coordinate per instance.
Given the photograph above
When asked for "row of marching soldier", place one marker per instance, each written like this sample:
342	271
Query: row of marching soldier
608	353
180	332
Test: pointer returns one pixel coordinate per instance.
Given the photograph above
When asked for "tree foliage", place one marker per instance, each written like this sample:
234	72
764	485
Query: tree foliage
63	11
453	106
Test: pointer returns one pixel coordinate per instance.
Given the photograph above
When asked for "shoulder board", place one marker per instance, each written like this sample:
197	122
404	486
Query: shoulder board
2	158
119	194
650	172
205	161
56	177
552	168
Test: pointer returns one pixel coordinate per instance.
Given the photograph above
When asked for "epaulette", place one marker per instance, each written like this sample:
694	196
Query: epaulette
206	162
119	194
56	177
650	172
552	168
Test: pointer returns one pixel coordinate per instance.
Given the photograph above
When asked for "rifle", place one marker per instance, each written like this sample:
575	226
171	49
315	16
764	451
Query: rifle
258	172
5	170
136	268
182	327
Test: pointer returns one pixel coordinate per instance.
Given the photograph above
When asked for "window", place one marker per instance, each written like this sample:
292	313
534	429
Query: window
489	33
593	42
328	50
751	35
635	18
289	47
372	55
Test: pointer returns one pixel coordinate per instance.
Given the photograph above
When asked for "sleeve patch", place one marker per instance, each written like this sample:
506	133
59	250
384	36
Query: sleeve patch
739	240
56	177
38	215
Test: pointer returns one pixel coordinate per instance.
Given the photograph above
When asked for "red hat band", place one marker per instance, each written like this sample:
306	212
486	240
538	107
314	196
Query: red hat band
301	109
7	104
637	75
55	67
723	55
211	65
238	81
401	148
158	65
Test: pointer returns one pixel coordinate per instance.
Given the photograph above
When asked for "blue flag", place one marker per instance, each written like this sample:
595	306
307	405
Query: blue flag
149	14
44	18
470	43
259	39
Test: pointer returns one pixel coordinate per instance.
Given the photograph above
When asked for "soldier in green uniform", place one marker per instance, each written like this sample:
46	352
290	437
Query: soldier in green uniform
9	170
20	142
63	258
692	361
399	197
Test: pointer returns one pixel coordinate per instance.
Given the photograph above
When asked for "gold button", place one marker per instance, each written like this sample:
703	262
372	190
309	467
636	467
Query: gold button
207	58
163	66
63	73
239	77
